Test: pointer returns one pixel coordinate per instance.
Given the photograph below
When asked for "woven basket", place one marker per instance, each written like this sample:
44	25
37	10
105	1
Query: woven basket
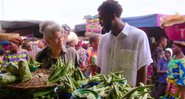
7	36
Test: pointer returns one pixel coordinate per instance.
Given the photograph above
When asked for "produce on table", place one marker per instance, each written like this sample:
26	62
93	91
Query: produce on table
85	94
70	79
24	70
60	70
7	78
12	68
33	64
112	86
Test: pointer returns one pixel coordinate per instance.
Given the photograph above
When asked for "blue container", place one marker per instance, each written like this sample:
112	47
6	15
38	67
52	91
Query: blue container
62	95
33	68
90	84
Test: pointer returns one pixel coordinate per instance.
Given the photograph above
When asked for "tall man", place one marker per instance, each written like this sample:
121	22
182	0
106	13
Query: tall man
123	47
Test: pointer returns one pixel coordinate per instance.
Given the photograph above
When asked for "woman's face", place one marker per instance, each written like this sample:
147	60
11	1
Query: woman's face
13	47
167	54
175	49
57	41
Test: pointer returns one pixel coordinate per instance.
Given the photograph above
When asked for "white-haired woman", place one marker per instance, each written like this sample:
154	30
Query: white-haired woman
72	39
54	36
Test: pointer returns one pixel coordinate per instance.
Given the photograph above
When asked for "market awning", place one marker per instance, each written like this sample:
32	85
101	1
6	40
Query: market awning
24	28
152	20
17	24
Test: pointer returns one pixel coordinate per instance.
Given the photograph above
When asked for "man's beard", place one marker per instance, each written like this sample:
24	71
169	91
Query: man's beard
108	26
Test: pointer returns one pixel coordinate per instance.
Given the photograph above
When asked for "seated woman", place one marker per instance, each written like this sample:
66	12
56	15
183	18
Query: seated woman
16	53
54	36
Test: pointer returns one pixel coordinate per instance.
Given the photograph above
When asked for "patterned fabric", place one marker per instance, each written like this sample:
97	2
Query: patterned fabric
15	57
149	73
82	54
175	79
89	64
163	65
92	61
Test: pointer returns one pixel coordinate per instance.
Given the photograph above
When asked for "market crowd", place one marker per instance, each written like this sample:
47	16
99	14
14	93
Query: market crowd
122	48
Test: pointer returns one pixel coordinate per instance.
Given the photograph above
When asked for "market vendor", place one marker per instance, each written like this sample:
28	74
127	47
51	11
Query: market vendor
54	36
15	52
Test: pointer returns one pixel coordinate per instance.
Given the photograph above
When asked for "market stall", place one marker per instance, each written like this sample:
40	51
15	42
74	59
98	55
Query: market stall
174	26
64	81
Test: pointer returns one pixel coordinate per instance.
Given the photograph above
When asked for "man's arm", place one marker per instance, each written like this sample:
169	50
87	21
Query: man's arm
142	75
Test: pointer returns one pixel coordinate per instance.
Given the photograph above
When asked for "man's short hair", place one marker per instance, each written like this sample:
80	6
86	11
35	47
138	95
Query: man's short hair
111	7
66	27
162	38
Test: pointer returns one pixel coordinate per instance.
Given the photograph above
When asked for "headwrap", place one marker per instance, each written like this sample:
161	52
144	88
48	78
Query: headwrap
170	50
18	41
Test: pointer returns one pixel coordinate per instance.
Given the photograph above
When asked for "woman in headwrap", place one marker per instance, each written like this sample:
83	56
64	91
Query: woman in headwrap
162	67
16	53
176	73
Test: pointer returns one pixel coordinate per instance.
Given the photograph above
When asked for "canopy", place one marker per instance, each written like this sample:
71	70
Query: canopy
174	26
24	28
152	20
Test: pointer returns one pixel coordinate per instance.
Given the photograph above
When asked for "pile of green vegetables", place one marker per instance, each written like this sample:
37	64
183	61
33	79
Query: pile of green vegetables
112	86
16	73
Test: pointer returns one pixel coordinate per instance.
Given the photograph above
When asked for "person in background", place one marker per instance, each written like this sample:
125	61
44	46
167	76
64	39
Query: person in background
162	67
81	52
1	58
16	53
159	51
157	54
1	55
39	45
176	73
92	52
42	44
67	31
54	36
122	47
72	39
28	47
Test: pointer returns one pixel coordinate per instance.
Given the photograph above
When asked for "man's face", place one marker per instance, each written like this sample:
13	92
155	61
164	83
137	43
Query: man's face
165	42
105	21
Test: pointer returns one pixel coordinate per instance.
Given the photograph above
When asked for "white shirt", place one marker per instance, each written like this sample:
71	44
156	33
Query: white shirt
127	52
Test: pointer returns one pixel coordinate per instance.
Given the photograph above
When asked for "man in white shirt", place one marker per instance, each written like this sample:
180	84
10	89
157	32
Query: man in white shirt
123	47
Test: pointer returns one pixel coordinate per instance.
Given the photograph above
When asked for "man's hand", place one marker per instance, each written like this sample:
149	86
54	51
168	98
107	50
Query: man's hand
142	75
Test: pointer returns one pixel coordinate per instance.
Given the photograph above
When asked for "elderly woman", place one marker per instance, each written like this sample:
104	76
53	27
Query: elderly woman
176	73
16	53
72	39
54	36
